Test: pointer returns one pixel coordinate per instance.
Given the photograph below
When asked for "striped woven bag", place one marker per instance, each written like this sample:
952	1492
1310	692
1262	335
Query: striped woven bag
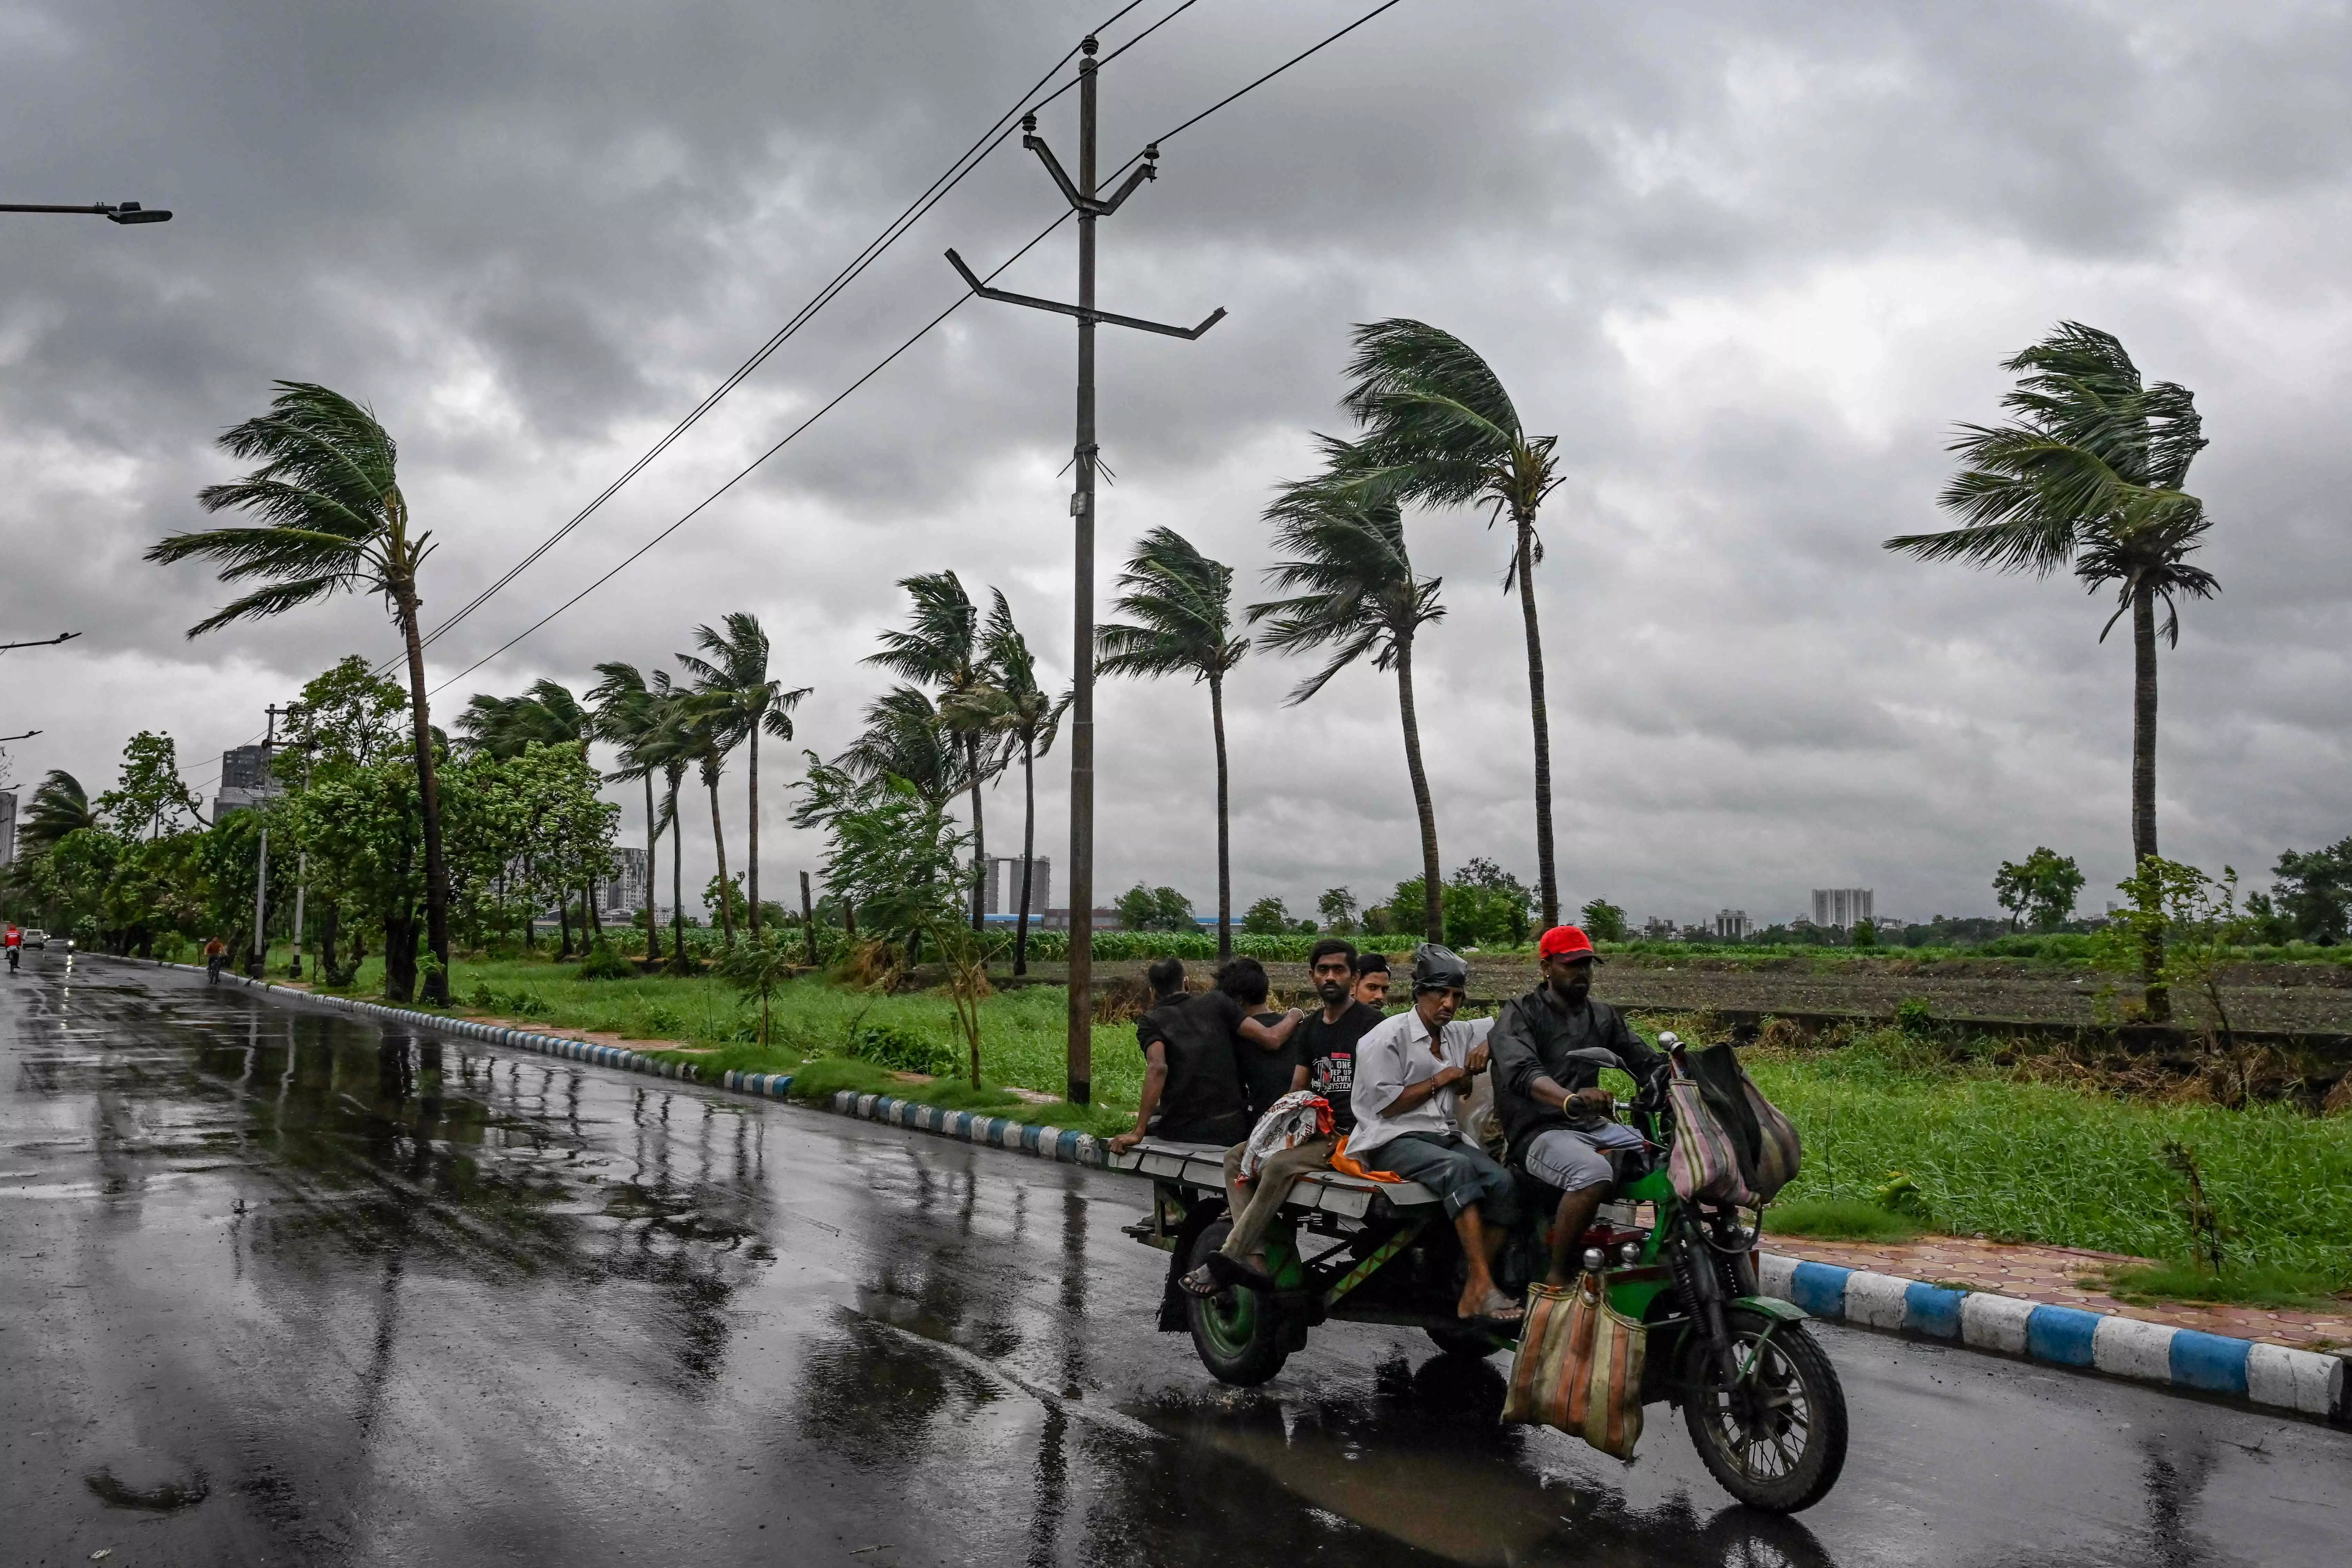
1704	1162
1578	1367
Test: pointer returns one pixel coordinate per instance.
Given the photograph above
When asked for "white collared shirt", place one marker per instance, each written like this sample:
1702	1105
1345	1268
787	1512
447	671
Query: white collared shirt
1392	1057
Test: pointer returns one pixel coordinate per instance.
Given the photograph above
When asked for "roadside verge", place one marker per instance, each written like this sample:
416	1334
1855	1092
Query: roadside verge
2272	1377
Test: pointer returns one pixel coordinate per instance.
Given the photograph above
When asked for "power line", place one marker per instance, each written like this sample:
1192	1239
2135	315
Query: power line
937	192
922	331
745	471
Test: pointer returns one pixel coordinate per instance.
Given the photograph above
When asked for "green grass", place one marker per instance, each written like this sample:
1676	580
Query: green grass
2254	1285
1839	1219
1992	1154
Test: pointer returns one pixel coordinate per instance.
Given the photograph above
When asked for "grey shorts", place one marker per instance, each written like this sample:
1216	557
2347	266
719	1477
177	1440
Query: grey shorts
1575	1158
1454	1170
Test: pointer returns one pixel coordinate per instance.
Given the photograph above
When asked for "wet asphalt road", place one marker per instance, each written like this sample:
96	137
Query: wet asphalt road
285	1287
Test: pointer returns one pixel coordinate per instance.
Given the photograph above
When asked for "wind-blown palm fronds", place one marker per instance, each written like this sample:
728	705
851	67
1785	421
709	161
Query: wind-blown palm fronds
59	808
942	649
1356	595
625	715
331	517
1180	602
1015	707
735	692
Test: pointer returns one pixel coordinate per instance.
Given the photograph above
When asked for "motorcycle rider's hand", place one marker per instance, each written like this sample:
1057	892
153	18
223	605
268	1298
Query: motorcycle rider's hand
1593	1099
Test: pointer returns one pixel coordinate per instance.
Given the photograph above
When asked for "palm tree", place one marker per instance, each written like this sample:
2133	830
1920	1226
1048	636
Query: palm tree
1181	603
333	518
1438	428
707	742
942	648
1360	596
626	715
59	808
670	745
734	689
2089	476
1013	706
904	739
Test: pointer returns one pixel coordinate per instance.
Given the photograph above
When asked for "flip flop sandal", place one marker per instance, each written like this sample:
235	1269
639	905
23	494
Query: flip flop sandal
1233	1271
1201	1282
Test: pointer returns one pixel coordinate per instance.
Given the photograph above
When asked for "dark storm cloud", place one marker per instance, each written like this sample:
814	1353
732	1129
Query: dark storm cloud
1749	261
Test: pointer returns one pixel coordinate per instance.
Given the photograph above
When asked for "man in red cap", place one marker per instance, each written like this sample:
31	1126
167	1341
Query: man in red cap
1556	1117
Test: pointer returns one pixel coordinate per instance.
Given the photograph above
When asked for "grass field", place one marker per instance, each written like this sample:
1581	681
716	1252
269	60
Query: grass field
1987	1149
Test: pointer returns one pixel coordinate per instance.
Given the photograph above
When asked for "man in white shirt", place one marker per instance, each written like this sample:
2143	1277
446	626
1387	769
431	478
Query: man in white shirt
1410	1073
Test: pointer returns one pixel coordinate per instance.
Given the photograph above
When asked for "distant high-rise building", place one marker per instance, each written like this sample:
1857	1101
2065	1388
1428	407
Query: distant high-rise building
1841	907
625	891
1732	925
245	780
1657	927
1000	895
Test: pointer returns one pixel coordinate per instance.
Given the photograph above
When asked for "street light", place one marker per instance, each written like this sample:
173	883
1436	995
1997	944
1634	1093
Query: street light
115	212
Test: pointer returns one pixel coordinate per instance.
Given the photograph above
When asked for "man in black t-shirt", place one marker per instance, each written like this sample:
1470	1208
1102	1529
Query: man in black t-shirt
1191	1082
1326	1044
1267	1057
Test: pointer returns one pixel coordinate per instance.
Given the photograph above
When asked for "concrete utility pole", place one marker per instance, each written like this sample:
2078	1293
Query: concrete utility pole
808	919
1082	197
261	881
302	860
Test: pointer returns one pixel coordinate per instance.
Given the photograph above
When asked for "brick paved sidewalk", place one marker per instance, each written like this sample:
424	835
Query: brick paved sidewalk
2054	1275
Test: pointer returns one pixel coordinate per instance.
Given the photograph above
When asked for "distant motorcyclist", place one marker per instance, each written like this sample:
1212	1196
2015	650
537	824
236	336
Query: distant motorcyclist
216	957
16	941
1556	1116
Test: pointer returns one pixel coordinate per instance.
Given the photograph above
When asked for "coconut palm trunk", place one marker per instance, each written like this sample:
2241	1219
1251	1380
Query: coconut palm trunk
428	797
1433	893
1028	851
676	885
751	834
978	838
2158	999
653	873
1539	714
1224	822
718	842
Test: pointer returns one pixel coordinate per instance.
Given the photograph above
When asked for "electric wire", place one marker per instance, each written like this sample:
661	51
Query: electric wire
937	192
922	331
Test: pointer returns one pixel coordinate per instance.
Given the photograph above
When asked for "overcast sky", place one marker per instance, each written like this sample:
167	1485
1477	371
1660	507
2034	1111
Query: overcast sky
1751	262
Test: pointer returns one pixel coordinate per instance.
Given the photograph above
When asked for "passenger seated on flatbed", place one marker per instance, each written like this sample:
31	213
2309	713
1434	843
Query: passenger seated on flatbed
1407	1100
1555	1115
1325	1049
1191	1082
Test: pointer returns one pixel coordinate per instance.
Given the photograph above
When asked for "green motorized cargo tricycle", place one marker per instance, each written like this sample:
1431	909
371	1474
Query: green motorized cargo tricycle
1761	1401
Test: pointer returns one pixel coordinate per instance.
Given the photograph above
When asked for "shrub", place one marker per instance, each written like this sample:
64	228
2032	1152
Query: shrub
604	963
900	1049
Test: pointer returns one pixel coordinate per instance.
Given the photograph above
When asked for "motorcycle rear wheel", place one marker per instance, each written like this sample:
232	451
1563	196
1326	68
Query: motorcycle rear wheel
1237	1333
1778	1440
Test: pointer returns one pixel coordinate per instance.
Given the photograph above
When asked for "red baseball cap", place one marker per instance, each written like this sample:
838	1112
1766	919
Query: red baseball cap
1566	942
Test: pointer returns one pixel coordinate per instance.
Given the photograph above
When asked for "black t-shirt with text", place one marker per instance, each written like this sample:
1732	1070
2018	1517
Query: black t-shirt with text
1265	1075
1329	1052
1202	1102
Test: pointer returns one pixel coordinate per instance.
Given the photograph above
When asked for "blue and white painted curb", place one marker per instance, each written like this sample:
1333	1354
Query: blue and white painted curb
1064	1145
2270	1377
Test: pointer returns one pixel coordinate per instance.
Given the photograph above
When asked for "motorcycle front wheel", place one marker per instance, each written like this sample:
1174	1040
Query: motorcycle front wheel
1776	1438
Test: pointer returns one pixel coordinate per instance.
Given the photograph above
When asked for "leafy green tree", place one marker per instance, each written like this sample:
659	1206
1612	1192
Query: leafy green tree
1603	921
1484	906
2040	890
151	799
759	969
734	896
1438	428
546	715
2194	920
1155	908
333	518
1356	595
890	852
362	825
737	696
942	647
2313	896
1268	917
1181	605
1338	907
351	712
59	808
2089	476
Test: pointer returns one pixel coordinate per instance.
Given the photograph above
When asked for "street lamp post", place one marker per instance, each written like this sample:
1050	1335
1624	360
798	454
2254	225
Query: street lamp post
115	212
